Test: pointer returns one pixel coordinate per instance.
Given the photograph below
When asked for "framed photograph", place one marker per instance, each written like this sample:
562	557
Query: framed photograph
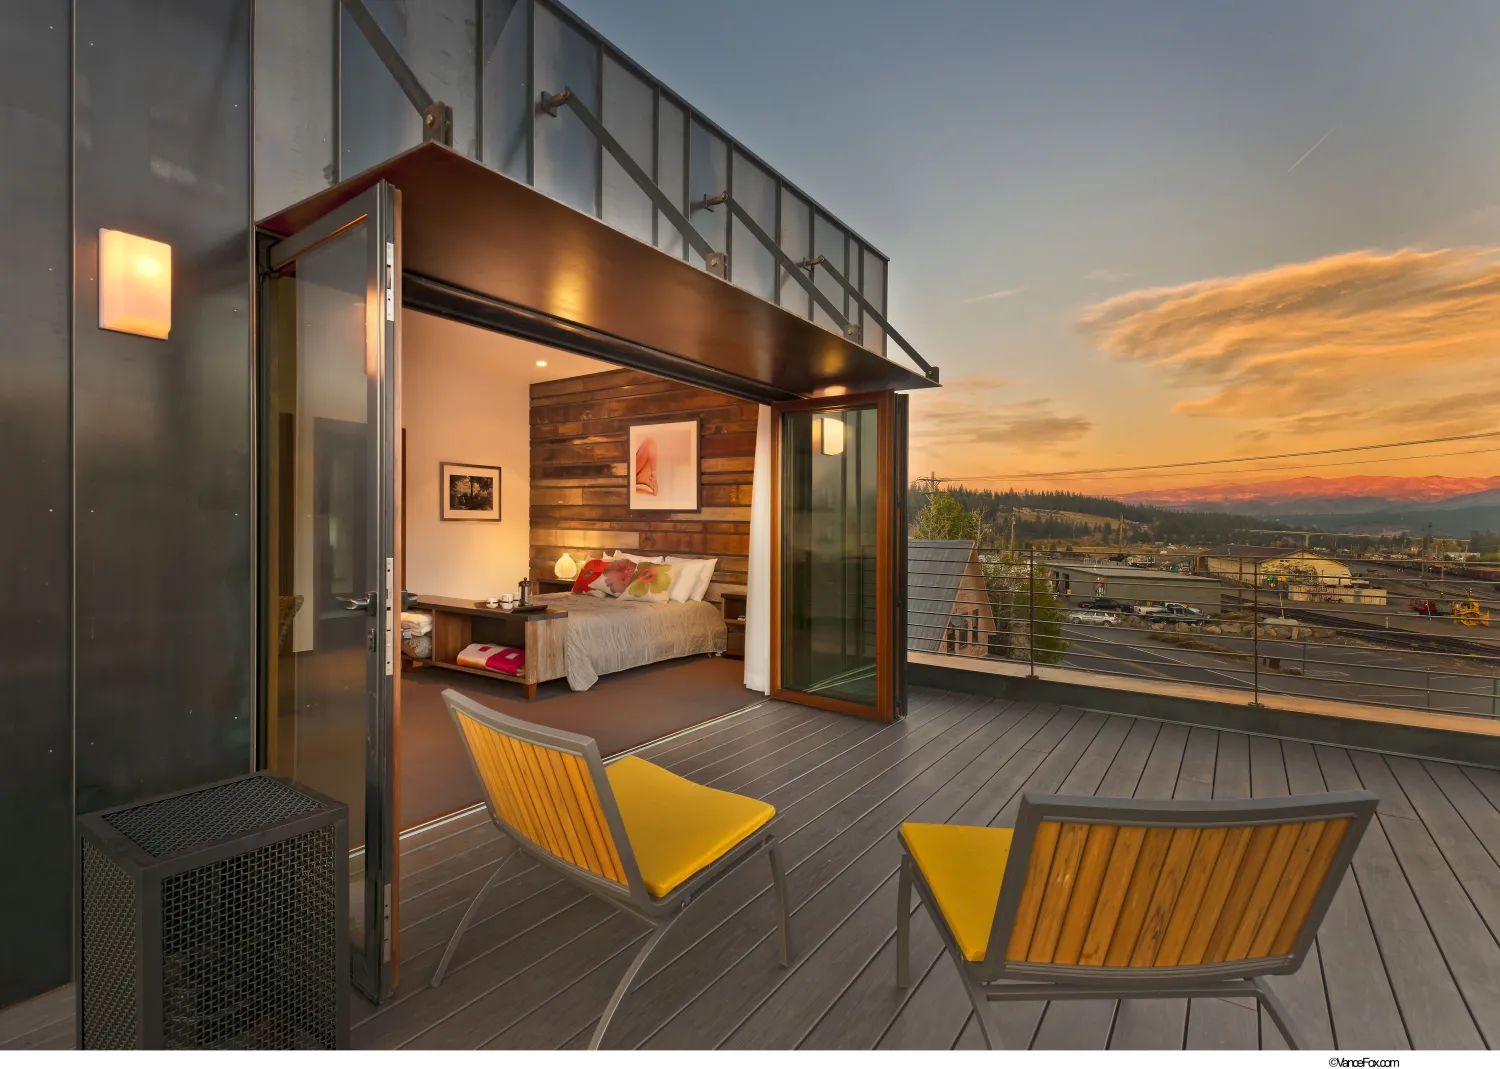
664	466
469	492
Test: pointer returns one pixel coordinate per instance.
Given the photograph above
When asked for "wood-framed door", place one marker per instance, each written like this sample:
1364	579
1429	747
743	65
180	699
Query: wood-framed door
328	400
838	553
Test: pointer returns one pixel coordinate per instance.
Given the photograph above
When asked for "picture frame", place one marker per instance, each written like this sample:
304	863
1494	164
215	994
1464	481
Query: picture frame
469	492
664	467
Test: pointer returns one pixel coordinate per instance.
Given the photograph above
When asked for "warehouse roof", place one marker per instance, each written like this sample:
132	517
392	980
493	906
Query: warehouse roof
1125	571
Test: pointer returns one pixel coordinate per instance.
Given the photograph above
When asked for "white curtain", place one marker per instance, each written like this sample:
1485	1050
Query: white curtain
758	594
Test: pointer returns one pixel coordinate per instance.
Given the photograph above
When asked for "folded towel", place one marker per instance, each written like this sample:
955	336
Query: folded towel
416	623
506	659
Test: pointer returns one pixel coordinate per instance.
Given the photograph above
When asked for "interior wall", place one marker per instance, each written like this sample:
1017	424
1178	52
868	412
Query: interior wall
464	400
580	471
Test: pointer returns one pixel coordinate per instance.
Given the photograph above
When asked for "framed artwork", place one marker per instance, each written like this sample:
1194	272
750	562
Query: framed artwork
664	466
469	492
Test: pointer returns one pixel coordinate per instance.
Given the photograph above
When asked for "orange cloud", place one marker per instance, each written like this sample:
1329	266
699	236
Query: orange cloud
1307	348
967	412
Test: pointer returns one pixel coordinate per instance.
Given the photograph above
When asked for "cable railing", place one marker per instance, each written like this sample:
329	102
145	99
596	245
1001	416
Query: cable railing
1403	632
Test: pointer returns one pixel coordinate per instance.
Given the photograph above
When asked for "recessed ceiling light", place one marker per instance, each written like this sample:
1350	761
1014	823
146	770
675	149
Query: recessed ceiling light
541	363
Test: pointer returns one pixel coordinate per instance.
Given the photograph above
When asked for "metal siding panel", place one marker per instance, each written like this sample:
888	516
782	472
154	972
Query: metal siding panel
36	760
162	486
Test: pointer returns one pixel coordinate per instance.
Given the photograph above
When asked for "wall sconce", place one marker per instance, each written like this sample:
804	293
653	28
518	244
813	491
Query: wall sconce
828	435
135	284
566	568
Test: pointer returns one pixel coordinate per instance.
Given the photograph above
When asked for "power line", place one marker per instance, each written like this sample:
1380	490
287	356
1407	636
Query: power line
1226	460
1293	468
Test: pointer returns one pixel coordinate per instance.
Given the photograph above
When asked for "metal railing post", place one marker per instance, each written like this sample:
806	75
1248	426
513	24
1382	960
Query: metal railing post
1255	634
1031	611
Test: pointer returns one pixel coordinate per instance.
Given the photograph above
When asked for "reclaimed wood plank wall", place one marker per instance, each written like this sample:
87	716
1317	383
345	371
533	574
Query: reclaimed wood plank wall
580	466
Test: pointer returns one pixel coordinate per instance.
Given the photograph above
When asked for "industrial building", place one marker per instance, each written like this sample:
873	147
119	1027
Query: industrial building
1077	581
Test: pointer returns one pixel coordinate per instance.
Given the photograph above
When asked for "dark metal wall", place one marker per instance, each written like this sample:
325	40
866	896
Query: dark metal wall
36	749
162	661
125	566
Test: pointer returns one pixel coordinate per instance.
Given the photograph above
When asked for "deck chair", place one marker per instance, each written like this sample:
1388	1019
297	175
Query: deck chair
1101	898
645	840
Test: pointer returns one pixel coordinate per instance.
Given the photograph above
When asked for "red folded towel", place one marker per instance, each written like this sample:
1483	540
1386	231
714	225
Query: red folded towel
505	659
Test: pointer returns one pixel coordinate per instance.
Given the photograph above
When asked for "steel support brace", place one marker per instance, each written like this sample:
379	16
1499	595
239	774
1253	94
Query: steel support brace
859	298
548	105
437	117
788	265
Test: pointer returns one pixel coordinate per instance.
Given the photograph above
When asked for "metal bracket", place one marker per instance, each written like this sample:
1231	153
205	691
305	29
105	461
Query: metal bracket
859	298
437	123
708	202
550	102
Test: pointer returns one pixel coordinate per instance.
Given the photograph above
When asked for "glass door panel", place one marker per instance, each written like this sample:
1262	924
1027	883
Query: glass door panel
327	531
836	590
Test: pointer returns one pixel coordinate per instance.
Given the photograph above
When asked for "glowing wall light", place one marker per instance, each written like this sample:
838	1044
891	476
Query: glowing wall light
828	435
135	284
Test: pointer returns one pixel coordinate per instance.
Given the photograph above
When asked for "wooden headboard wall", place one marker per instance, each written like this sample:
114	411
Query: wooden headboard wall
580	466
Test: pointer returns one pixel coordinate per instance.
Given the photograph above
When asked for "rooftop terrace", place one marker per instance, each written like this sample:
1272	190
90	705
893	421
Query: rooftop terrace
1407	956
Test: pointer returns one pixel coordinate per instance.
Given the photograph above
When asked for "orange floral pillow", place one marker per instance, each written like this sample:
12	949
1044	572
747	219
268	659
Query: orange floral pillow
652	582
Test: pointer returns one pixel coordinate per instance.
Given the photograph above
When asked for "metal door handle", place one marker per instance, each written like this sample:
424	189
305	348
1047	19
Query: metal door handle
357	603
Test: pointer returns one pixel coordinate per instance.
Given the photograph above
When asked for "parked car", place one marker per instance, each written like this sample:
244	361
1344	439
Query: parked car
1108	605
1092	616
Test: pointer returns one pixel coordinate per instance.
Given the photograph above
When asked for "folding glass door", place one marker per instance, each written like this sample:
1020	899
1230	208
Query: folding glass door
327	521
838	554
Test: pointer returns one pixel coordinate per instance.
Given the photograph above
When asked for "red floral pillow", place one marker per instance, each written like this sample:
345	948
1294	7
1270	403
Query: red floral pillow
614	579
590	571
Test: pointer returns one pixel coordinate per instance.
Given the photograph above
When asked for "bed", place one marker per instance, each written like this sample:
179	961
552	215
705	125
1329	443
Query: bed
607	635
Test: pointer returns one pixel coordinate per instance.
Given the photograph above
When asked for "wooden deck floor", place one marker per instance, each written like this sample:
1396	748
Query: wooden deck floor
1408	956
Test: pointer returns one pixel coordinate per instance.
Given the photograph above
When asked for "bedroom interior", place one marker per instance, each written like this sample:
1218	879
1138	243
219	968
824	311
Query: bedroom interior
559	435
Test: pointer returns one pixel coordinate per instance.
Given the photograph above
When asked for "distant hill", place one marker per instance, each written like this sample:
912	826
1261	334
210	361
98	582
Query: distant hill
1312	495
1056	515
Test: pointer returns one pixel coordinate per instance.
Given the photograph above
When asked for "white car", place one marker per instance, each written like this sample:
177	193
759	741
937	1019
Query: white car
1092	616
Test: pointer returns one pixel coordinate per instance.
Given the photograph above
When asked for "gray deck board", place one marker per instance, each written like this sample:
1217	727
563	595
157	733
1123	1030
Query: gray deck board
1407	956
1360	1001
1435	1014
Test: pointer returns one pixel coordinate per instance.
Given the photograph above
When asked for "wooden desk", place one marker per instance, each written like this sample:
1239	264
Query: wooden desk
457	622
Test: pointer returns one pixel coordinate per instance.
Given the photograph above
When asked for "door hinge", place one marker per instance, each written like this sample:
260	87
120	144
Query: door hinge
390	281
390	616
385	933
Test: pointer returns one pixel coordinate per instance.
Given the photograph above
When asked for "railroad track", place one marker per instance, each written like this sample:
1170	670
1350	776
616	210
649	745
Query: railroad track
1394	637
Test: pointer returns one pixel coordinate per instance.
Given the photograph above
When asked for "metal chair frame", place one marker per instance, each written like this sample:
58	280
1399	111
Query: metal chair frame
990	980
659	914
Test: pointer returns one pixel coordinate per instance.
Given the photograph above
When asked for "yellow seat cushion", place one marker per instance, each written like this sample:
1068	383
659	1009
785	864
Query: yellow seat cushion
676	827
963	865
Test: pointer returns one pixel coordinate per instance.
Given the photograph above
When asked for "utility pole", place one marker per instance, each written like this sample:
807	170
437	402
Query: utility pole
1121	540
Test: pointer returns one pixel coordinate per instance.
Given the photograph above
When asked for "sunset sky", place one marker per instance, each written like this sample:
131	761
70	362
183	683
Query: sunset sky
1147	232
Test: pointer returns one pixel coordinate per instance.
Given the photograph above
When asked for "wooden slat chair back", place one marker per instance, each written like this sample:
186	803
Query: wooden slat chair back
549	790
1123	898
552	794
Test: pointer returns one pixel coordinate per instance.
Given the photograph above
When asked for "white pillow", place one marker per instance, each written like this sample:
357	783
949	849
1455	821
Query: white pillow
706	576
685	575
622	555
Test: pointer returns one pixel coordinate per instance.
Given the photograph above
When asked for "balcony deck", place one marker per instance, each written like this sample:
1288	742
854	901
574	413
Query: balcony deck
1407	957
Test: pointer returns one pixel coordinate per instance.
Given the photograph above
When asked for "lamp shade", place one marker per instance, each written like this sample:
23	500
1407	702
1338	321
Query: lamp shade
135	284
567	567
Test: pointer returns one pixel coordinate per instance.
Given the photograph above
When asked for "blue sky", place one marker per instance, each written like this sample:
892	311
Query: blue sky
1098	222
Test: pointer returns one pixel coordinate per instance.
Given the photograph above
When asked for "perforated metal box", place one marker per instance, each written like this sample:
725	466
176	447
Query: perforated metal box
215	918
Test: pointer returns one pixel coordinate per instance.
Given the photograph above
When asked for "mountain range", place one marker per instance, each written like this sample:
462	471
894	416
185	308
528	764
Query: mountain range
1369	504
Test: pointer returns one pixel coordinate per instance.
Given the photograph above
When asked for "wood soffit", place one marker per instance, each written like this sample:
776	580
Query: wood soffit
472	228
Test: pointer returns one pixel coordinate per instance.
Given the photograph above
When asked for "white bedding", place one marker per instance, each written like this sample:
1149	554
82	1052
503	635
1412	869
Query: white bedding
606	635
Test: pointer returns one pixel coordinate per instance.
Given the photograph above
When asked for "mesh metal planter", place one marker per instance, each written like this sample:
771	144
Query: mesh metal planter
215	918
